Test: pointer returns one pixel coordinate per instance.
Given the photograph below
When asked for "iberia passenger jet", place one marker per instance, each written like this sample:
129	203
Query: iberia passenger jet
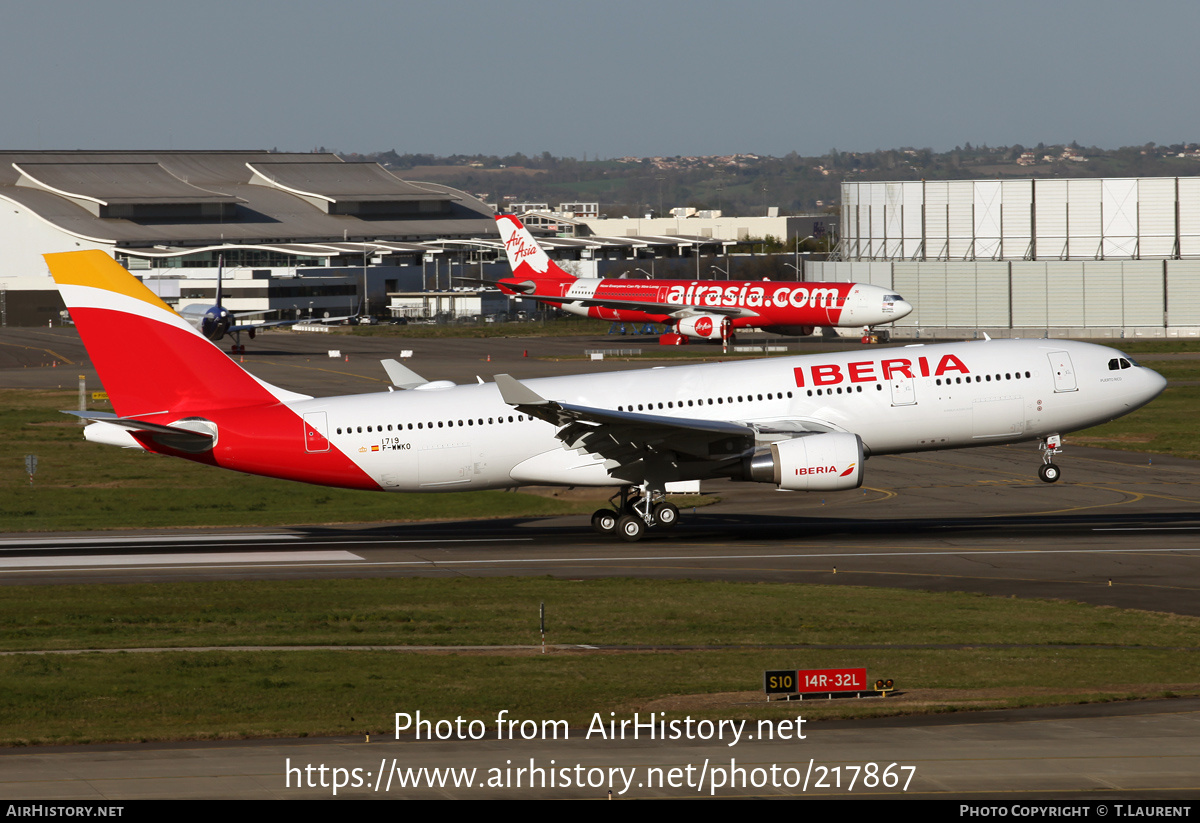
696	309
798	423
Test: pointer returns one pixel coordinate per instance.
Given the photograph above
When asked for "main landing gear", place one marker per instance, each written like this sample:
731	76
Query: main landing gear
635	513
1050	447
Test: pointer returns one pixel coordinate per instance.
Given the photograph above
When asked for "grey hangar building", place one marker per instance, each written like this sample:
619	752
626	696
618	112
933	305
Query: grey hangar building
1080	257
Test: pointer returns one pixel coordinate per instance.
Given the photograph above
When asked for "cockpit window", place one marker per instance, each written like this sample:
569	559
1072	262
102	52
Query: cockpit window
891	298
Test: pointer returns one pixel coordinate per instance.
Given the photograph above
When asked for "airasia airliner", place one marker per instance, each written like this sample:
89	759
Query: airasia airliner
695	309
797	423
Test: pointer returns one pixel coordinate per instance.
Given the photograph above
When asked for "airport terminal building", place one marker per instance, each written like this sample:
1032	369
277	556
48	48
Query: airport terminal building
295	232
1095	257
301	234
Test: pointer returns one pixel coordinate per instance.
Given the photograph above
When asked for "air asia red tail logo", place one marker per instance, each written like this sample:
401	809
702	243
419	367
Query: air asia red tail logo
518	248
704	326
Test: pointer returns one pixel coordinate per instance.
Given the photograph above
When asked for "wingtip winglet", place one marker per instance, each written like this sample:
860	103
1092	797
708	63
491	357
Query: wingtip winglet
515	393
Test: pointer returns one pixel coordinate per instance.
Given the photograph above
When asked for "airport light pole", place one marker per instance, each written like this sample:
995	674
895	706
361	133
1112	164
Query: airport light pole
366	301
367	250
797	266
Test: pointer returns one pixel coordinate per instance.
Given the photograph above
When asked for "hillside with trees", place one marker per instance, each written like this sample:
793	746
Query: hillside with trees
747	184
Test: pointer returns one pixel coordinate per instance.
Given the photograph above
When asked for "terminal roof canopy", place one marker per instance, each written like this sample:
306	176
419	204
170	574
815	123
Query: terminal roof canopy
124	189
348	188
189	199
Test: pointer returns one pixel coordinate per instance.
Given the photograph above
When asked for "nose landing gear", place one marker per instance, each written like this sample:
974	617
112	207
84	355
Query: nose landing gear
1050	448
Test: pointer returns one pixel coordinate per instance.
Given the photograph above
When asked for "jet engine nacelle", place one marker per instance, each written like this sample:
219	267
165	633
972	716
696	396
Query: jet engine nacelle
703	326
817	462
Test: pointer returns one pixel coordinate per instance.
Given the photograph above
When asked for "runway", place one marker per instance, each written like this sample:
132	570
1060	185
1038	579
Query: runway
1124	534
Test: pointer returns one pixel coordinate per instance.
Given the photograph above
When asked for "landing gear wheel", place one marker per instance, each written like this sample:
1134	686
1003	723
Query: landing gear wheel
1049	473
631	528
666	515
604	521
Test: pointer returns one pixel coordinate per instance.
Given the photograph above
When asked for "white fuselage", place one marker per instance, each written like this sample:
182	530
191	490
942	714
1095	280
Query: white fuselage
901	399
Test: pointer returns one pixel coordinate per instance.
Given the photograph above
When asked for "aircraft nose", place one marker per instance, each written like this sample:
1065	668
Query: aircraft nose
1155	384
901	308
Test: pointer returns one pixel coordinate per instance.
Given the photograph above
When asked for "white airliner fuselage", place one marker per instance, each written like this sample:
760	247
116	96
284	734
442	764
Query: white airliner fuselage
916	398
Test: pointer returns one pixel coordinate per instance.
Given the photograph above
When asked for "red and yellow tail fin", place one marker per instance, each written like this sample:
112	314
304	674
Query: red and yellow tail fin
149	359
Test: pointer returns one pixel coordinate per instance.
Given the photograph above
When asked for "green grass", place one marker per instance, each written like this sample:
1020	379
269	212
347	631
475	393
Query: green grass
1165	426
82	486
1158	346
459	611
1051	652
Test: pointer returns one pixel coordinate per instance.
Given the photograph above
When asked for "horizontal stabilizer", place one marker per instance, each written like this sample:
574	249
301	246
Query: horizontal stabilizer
133	424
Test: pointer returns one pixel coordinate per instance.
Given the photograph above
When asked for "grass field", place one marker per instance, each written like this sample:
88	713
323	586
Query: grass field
946	652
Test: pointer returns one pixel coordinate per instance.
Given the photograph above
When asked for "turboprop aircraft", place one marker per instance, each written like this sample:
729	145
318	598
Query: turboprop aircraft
696	309
798	423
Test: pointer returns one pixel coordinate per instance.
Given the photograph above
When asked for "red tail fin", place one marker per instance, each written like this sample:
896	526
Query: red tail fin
149	358
525	256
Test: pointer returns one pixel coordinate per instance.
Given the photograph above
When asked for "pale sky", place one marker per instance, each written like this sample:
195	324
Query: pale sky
655	77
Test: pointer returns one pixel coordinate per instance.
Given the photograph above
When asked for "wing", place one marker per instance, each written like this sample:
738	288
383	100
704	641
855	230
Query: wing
640	448
676	310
